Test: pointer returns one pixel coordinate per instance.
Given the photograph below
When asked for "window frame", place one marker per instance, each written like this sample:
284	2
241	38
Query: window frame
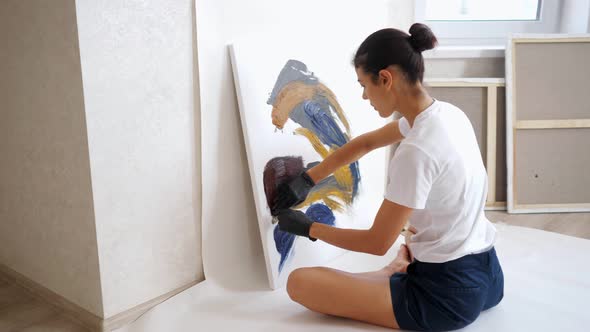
490	32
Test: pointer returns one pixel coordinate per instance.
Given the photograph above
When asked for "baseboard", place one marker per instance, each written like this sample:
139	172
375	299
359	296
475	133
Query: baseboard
68	308
79	314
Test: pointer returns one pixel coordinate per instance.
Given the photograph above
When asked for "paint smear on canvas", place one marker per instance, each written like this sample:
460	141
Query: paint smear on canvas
284	242
299	96
277	171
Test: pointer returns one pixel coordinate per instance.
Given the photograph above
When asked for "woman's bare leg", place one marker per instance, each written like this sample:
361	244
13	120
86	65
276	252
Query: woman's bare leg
343	294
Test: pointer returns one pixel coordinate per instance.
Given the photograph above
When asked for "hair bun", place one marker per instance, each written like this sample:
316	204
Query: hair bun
421	37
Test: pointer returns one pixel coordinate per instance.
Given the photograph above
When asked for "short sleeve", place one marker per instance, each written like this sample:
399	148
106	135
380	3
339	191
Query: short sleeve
404	126
411	175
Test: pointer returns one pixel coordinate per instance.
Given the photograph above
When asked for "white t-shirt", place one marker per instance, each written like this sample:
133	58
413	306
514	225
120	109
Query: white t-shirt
438	171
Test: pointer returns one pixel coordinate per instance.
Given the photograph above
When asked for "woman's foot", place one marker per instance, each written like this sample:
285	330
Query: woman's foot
399	264
401	261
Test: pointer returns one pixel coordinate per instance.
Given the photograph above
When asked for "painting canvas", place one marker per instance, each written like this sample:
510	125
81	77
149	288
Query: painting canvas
296	109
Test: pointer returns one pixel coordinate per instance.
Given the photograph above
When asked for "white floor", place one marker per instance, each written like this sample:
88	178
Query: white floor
546	289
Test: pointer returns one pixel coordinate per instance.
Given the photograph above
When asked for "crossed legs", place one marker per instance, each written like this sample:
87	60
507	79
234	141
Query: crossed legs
360	296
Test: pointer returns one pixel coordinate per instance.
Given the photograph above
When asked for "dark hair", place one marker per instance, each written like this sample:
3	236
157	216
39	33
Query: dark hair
394	47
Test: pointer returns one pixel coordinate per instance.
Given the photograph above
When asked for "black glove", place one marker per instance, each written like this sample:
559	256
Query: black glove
292	193
295	222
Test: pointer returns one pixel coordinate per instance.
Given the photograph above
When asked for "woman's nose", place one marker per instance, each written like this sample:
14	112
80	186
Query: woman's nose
365	96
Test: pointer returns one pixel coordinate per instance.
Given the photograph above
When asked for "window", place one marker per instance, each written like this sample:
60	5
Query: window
474	10
487	22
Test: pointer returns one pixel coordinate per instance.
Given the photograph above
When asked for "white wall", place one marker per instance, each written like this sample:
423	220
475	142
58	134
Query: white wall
231	242
47	225
137	68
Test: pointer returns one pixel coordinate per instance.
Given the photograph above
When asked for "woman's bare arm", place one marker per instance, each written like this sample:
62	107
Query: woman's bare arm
355	149
377	240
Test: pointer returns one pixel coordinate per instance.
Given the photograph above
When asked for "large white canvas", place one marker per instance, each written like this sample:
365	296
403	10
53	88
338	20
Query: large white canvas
256	68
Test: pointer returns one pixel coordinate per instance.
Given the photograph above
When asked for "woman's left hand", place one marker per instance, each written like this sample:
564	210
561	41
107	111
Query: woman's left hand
295	222
408	233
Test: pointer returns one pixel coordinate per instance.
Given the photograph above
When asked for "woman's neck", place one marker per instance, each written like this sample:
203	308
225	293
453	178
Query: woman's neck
417	100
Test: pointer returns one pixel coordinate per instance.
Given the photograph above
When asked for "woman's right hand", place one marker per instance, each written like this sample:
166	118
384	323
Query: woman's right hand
292	193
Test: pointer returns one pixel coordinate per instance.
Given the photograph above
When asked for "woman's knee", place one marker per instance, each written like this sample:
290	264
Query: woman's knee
296	283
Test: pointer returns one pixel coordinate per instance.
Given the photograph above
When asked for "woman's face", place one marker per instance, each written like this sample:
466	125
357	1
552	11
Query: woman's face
381	93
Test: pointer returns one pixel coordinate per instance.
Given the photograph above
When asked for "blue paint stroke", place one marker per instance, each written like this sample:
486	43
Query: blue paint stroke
320	213
284	243
315	118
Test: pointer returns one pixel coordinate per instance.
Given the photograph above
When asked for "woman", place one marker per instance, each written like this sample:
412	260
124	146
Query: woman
448	273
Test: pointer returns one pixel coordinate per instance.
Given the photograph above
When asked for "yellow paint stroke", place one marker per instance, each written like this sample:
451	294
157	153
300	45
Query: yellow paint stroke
325	91
317	145
333	205
343	176
291	95
328	194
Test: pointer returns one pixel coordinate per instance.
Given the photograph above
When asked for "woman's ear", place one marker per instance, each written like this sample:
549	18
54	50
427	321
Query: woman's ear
386	77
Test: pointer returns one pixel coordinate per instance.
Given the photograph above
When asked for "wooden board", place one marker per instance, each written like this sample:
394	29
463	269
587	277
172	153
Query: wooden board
548	121
482	100
551	173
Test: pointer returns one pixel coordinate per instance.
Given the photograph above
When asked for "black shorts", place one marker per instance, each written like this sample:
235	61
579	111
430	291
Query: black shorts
446	296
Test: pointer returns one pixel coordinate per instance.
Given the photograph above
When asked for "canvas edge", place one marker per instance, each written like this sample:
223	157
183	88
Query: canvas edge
232	52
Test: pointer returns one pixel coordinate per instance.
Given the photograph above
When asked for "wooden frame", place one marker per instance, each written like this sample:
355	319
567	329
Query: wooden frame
491	85
513	124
